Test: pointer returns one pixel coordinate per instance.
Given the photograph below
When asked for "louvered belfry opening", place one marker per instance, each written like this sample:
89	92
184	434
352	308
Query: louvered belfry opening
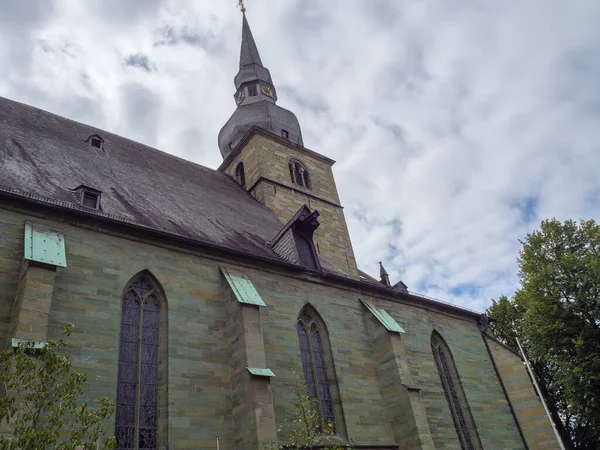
314	364
455	394
136	425
299	174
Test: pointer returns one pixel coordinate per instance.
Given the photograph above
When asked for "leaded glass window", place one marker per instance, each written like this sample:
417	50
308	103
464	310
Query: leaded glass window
455	395
310	335
137	383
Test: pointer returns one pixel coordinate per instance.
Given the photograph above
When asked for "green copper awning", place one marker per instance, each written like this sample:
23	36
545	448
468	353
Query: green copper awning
261	372
383	317
36	345
242	287
44	245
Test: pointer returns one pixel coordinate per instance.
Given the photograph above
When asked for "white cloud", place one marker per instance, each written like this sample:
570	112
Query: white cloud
457	126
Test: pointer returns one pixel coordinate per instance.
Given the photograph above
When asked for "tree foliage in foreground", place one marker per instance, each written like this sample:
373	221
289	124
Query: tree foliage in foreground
506	319
556	314
305	428
40	407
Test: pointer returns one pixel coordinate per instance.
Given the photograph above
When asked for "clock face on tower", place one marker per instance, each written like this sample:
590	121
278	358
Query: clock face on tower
266	90
239	97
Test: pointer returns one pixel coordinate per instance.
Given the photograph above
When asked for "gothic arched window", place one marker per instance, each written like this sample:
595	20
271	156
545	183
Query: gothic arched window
299	174
137	406
317	366
240	176
455	395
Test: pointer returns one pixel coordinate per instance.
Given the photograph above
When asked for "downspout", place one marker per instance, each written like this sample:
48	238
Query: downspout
512	410
540	394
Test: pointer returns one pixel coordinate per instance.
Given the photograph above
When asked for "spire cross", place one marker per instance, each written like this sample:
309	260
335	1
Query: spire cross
241	6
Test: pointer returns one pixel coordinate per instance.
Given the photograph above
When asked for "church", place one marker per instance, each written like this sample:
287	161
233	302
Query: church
195	293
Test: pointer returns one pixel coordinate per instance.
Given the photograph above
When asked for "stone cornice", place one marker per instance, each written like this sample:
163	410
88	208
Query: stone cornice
115	225
280	140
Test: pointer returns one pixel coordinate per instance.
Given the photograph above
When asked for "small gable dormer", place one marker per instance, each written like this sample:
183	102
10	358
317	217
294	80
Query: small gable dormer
88	197
95	141
384	278
294	242
400	287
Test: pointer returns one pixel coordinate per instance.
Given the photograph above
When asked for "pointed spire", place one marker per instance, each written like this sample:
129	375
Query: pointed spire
251	67
384	276
249	52
256	99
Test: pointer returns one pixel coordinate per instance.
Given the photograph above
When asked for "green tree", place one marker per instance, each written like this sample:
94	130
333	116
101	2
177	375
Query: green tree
506	320
305	428
556	313
40	407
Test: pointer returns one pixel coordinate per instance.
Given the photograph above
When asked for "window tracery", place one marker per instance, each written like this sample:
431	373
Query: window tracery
318	380
136	425
455	395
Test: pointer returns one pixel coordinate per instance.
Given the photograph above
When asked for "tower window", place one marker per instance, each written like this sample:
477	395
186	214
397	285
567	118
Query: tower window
285	134
305	179
299	174
240	176
252	90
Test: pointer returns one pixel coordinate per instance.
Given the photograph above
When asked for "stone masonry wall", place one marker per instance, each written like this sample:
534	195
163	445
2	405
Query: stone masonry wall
528	407
269	159
199	380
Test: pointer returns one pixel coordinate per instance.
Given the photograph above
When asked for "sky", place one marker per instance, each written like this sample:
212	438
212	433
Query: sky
457	125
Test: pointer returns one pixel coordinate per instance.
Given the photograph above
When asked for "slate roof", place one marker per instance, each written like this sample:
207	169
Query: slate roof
265	115
46	155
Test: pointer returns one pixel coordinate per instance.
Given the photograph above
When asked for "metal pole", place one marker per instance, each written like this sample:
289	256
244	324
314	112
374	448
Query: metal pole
537	386
218	444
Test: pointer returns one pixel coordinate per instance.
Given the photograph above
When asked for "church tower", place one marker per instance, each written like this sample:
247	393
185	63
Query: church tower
262	147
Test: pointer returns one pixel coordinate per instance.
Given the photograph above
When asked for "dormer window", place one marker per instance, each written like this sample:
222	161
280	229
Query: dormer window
299	174
285	134
95	141
90	200
294	242
252	90
88	197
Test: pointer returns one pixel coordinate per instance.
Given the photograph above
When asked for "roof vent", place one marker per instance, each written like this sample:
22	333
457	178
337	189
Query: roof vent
88	197
96	141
